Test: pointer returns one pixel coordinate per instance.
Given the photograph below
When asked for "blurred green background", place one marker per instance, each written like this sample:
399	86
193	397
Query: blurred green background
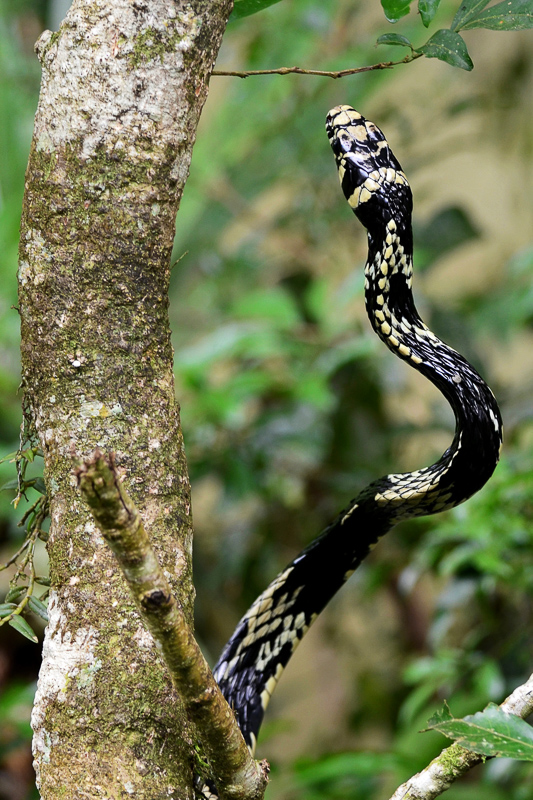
290	404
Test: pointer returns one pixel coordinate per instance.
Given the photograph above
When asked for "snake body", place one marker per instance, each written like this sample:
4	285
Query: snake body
377	190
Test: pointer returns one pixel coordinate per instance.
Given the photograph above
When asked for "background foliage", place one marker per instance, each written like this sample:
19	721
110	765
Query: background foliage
290	404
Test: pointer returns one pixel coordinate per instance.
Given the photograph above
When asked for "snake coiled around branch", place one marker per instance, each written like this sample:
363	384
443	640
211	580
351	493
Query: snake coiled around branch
378	192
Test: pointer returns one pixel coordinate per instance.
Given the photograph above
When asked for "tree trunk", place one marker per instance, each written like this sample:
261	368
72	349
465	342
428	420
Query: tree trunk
124	82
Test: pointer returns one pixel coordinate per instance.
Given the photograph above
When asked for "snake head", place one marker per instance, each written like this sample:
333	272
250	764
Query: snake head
370	175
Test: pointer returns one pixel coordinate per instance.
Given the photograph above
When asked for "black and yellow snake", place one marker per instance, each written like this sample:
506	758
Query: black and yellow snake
378	192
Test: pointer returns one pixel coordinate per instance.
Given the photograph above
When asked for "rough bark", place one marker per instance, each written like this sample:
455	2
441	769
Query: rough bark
124	82
236	774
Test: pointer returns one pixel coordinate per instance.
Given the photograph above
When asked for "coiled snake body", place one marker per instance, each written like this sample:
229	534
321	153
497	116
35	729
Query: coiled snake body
266	637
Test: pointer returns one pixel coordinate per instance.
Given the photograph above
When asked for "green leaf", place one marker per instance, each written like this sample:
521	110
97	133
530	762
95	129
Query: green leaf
10	456
9	485
243	8
511	15
467	10
15	593
35	483
439	718
29	454
491	732
6	609
395	9
38	607
428	9
39	485
395	39
20	625
447	46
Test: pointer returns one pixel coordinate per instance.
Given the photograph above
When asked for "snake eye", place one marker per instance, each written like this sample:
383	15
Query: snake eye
345	141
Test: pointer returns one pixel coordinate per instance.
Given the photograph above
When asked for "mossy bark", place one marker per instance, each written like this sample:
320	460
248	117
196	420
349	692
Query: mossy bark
124	82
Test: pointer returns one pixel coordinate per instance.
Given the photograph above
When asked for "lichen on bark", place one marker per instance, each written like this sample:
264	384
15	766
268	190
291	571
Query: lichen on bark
110	154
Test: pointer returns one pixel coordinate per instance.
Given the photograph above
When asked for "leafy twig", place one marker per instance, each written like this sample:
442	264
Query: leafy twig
18	598
455	761
12	612
324	73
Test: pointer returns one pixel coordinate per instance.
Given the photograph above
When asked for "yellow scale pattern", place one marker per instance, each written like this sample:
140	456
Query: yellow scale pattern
269	620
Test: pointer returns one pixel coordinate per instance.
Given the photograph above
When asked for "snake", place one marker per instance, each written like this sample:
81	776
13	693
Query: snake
264	640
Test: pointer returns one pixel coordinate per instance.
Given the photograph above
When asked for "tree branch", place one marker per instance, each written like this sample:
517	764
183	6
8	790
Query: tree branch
455	761
324	73
237	775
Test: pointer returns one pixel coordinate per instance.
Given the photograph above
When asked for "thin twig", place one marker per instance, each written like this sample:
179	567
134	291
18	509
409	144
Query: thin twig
28	559
323	73
14	557
236	774
455	761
